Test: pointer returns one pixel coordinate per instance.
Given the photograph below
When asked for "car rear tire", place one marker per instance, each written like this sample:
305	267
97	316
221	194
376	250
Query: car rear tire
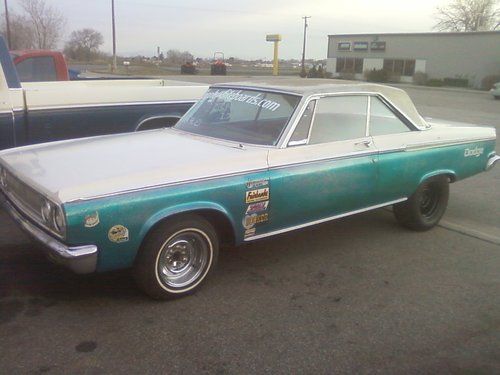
176	257
426	206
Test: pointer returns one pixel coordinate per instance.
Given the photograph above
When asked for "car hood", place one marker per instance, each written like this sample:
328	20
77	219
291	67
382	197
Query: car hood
86	168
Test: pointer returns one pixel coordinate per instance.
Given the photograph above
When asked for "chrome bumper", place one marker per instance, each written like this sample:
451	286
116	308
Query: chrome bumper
492	161
79	259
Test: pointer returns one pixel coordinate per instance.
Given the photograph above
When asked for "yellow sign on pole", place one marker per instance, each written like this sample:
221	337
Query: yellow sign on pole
276	38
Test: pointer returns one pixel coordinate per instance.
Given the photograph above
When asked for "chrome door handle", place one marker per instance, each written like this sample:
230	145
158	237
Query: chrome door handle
366	142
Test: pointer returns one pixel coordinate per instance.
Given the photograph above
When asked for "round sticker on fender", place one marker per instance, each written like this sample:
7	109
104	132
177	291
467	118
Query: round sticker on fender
118	234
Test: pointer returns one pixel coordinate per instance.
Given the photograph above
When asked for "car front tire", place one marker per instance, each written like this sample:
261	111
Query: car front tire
176	257
426	206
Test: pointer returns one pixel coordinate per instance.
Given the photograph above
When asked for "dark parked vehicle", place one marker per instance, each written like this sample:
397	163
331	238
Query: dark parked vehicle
36	112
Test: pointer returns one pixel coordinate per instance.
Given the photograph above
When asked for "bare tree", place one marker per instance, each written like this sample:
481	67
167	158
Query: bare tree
20	30
47	22
84	44
174	56
468	15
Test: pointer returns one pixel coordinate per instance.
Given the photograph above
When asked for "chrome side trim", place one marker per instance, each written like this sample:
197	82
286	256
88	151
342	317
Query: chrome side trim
280	231
98	105
492	161
170	184
80	259
391	150
434	144
333	158
234	174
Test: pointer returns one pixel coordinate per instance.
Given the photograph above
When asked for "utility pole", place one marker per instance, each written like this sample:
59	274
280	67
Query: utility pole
7	24
113	68
303	71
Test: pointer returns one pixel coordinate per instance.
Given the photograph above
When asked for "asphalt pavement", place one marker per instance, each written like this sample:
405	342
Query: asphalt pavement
358	295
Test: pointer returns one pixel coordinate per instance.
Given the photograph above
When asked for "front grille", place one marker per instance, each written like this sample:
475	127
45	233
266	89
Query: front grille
24	196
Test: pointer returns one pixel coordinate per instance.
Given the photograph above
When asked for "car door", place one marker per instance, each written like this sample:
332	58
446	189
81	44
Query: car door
328	167
398	170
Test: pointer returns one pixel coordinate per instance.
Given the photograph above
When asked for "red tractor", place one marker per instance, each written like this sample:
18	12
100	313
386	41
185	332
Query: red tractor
218	67
188	68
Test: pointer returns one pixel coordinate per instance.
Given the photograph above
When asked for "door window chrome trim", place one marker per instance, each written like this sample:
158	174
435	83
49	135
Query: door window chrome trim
315	222
305	140
294	121
368	116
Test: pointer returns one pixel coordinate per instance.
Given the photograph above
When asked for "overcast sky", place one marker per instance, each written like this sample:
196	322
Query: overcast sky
238	28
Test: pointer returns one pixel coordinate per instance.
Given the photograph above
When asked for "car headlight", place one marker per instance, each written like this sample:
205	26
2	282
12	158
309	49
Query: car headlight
53	217
59	220
46	212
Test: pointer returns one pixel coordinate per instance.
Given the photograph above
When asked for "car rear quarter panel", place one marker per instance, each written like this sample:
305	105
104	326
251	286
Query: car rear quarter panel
403	171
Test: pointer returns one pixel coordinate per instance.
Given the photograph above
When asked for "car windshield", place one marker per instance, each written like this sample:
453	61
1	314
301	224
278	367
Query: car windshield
246	116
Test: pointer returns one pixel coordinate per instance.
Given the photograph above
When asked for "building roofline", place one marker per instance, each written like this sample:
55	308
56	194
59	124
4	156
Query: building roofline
419	34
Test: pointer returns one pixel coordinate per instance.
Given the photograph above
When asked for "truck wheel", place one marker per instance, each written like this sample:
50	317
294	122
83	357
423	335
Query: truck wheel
426	206
176	257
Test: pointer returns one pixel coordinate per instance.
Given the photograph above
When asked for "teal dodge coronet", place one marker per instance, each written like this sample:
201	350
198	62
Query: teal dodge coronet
248	161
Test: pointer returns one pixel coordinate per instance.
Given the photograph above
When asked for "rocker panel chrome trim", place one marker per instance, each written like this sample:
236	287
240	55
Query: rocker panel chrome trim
289	229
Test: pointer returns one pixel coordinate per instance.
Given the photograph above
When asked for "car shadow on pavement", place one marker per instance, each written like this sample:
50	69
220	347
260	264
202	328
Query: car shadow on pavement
26	274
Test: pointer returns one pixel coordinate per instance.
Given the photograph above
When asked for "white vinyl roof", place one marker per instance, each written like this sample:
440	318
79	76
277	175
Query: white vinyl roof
305	87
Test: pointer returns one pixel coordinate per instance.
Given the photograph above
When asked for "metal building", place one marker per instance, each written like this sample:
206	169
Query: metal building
470	55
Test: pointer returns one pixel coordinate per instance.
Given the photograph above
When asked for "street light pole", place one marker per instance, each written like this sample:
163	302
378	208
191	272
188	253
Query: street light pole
303	71
113	68
7	25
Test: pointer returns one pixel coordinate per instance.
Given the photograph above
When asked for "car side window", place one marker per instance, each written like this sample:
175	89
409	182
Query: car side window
339	118
301	132
37	69
383	121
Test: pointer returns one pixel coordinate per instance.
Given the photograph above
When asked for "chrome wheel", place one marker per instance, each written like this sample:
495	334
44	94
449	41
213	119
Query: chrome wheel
183	258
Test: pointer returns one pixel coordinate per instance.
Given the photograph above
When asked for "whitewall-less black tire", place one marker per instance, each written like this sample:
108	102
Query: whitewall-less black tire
426	206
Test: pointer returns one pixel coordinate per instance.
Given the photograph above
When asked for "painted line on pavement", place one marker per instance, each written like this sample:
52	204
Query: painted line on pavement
465	230
469	232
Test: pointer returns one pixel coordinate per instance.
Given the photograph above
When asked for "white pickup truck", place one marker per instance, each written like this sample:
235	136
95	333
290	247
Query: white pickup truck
50	111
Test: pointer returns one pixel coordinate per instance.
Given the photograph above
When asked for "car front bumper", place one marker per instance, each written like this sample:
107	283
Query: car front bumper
79	259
